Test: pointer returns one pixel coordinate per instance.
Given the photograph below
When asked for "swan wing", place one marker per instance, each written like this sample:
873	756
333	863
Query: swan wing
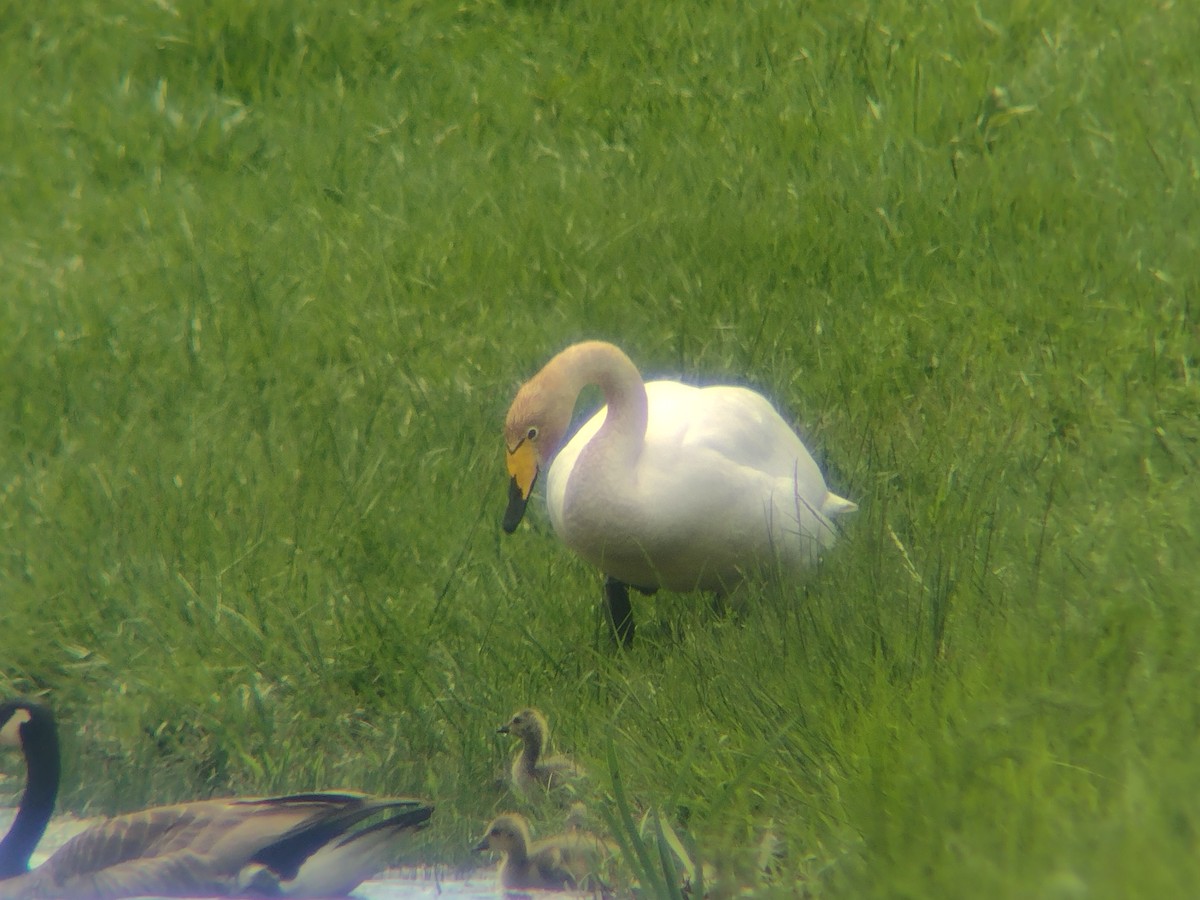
734	422
721	484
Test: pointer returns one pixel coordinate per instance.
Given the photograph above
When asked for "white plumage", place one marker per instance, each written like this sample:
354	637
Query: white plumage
669	485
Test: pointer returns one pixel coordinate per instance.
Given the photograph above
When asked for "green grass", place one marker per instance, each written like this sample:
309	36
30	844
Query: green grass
272	273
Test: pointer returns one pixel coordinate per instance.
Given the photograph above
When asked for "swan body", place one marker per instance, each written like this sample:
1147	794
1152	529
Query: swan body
301	845
530	769
668	485
561	863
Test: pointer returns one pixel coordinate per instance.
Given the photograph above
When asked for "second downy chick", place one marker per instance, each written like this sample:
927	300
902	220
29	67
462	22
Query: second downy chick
534	768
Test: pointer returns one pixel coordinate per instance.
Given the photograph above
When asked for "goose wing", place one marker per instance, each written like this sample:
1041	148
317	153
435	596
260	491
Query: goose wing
218	847
328	856
552	872
576	857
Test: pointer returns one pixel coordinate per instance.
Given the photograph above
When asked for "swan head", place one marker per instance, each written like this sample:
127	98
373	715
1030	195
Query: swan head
508	833
533	432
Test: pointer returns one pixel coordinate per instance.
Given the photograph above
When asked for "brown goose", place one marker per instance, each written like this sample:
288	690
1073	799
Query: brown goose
560	863
529	768
301	845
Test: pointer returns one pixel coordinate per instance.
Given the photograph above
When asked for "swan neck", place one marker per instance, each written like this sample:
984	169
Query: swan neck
604	365
43	766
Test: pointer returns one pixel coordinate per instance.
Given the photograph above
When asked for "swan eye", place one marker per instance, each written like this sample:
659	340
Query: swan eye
532	433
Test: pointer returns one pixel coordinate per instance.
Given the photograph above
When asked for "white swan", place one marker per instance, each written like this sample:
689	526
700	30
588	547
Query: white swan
668	485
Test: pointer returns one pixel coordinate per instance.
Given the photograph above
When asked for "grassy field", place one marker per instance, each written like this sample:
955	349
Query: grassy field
272	272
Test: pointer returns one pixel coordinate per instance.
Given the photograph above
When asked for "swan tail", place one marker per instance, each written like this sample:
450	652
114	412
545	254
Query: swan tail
837	506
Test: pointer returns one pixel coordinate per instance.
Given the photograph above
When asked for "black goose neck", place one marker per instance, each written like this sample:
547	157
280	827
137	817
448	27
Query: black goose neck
43	766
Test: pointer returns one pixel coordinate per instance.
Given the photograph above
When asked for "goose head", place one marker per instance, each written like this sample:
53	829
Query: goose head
508	834
30	728
529	725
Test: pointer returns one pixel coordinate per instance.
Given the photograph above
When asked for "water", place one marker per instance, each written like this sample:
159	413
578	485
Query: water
406	885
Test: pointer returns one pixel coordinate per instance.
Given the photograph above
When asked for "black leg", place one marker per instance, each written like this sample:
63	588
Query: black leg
620	612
